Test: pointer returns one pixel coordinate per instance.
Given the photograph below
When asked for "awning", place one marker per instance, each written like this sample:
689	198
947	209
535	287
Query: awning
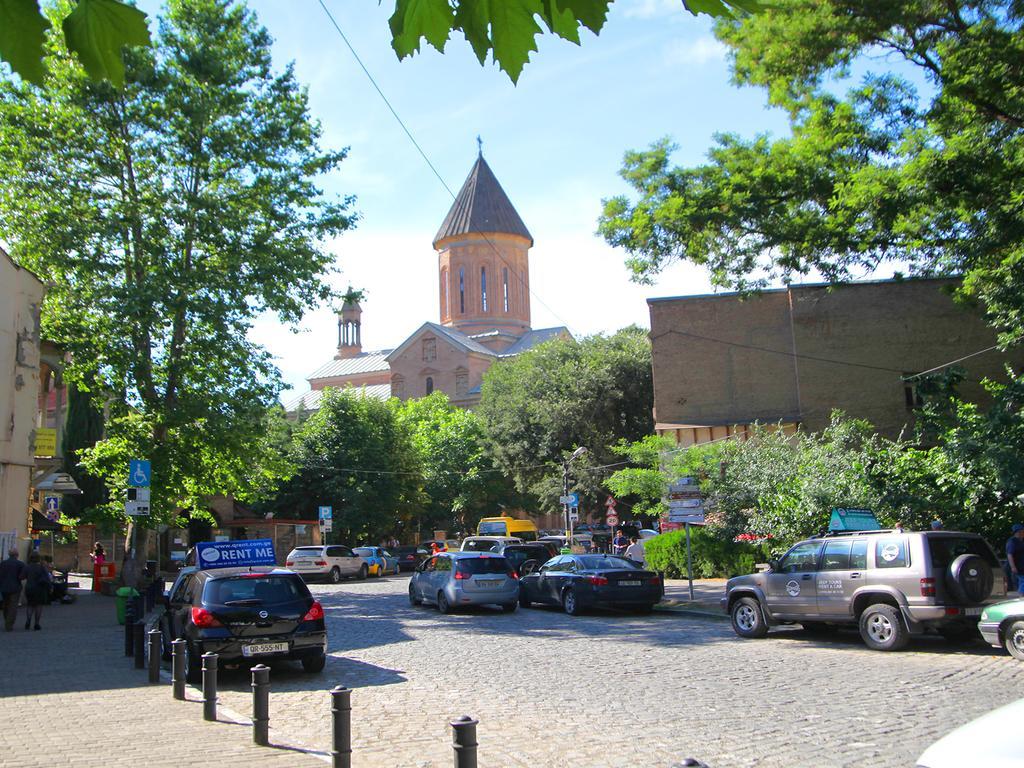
43	523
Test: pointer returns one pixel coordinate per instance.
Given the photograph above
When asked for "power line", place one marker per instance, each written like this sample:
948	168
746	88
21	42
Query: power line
952	362
426	159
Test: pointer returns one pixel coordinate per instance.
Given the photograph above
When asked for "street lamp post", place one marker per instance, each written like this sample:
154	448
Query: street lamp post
565	491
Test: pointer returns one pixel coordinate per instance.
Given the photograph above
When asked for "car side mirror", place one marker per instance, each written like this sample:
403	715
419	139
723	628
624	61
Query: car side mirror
773	564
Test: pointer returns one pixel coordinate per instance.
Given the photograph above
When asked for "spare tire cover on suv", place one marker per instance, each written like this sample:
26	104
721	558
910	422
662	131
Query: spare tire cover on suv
970	579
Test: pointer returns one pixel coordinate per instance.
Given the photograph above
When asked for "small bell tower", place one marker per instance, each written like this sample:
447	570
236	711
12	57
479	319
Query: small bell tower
350	343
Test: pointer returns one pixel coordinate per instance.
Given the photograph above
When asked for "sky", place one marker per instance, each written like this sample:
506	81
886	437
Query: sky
555	142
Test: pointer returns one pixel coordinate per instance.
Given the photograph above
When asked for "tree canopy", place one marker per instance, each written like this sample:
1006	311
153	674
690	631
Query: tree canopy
919	164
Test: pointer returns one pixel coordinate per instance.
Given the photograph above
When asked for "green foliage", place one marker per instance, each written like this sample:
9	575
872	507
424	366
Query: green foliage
538	407
508	29
82	429
929	179
643	484
96	31
354	454
167	216
713	555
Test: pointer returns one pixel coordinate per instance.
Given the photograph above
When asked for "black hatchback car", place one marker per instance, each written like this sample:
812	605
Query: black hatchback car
577	582
245	615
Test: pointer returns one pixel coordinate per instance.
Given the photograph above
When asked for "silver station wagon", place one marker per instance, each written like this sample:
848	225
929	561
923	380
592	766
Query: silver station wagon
453	579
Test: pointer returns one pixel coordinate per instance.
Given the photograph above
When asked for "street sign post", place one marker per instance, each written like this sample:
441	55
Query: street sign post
570	500
326	516
139	473
574	515
51	507
612	519
686	505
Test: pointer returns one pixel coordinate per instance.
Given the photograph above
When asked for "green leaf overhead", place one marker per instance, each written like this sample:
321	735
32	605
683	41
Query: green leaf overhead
97	30
22	31
416	19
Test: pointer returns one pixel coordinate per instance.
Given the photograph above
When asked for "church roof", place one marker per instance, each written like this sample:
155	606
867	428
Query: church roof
458	338
533	338
310	401
482	206
364	362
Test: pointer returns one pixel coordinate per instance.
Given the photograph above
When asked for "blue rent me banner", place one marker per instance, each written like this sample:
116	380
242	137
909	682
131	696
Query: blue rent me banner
234	554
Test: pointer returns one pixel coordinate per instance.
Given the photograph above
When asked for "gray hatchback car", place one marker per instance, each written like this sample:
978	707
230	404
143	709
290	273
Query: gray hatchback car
453	579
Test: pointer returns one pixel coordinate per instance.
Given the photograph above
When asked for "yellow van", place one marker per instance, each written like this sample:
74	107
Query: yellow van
507	526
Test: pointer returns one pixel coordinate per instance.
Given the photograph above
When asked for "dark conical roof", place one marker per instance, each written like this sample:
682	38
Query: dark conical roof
482	206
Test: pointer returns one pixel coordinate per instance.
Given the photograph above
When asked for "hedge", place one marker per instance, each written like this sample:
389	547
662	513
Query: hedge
713	556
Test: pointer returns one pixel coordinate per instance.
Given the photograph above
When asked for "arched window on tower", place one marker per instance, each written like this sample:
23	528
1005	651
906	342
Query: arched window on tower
462	290
483	289
430	384
504	286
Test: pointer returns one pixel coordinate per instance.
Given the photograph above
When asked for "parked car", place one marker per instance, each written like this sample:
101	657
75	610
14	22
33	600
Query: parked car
332	562
577	582
245	615
584	540
891	584
453	579
409	556
379	560
647	533
488	543
1002	625
532	554
990	741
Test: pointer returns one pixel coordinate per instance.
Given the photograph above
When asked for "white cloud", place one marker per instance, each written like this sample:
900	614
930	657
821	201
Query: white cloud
651	9
699	51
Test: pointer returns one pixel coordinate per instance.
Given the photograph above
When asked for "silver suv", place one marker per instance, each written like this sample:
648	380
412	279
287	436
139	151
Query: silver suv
891	584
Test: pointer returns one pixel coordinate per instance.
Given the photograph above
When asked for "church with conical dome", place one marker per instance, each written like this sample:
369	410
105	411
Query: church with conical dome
483	253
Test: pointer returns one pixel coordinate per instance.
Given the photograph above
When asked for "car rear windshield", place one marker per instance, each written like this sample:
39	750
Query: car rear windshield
267	590
481	545
946	549
307	551
595	563
492	529
476	565
519	555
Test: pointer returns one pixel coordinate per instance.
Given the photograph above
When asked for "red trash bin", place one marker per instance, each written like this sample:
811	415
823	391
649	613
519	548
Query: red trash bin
101	571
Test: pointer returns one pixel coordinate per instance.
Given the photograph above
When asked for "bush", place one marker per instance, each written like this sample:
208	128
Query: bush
713	555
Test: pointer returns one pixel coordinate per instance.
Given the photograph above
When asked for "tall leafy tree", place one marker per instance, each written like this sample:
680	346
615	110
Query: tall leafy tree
168	215
538	407
82	430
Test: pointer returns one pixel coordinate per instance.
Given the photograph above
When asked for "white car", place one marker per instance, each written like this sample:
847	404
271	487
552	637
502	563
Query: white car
331	562
991	741
488	543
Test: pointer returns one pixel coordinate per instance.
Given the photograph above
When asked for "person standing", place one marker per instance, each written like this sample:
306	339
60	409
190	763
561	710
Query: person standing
619	543
99	555
635	552
37	589
12	573
1015	555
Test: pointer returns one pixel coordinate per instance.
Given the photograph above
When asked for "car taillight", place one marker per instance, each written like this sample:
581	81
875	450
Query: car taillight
289	562
320	562
315	612
656	579
460	575
513	575
927	587
598	580
203	619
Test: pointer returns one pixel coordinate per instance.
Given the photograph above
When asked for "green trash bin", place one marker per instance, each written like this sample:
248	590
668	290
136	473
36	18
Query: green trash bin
121	598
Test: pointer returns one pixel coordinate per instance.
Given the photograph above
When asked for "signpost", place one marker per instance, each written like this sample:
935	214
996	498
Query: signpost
138	502
51	505
139	474
326	516
685	506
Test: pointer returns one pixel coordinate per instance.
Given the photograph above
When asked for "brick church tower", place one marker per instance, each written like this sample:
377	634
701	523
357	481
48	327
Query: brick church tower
483	261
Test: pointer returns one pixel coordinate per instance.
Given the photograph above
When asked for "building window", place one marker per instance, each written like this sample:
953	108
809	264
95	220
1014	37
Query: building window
429	349
504	286
483	288
462	290
430	384
397	386
461	383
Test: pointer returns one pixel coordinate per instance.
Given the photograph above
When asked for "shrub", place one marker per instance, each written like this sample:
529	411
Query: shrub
714	556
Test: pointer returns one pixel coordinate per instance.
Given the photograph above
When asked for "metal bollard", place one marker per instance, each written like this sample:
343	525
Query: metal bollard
341	717
155	652
150	597
178	651
209	686
139	604
139	643
129	620
464	741
261	705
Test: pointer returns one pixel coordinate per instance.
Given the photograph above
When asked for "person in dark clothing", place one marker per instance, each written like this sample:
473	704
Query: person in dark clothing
37	589
619	543
12	573
1015	556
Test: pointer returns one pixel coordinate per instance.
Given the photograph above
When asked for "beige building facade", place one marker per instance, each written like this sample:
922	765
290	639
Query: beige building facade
21	297
723	362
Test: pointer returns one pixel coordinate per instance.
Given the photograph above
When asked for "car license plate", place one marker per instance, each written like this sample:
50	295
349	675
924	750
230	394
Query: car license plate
260	648
489	582
630	583
972	611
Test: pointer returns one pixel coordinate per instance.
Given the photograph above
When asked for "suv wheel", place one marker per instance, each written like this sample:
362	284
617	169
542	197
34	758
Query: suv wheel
882	628
314	664
747	618
363	570
335	575
1014	641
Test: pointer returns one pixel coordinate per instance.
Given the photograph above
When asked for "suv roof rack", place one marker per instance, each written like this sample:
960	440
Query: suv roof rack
831	534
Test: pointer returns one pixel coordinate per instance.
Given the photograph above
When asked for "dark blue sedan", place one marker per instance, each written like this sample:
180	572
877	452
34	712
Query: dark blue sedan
578	582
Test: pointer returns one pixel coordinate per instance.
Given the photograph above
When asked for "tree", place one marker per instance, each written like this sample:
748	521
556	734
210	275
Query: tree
538	407
167	216
460	483
97	30
356	455
83	428
927	178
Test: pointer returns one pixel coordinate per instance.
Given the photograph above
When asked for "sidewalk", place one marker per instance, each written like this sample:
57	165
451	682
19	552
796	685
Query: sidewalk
70	697
706	594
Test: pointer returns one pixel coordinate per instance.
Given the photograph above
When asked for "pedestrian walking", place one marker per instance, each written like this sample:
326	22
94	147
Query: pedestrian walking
635	551
98	555
38	583
12	573
1015	556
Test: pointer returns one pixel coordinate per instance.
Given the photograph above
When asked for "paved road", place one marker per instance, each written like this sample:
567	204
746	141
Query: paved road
620	690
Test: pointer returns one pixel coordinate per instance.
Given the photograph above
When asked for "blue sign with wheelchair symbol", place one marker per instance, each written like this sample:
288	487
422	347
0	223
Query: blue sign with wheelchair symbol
139	473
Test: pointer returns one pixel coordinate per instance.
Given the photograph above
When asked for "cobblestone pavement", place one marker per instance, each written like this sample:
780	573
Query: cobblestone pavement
612	689
69	697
